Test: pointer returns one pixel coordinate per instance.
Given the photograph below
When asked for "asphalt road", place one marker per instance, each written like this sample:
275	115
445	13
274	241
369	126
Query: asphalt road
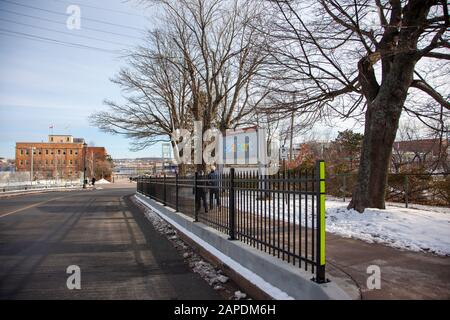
119	253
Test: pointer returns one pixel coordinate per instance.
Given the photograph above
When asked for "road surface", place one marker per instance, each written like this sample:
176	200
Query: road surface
119	254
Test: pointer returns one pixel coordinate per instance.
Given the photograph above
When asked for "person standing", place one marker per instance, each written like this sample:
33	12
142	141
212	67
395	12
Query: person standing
201	192
214	190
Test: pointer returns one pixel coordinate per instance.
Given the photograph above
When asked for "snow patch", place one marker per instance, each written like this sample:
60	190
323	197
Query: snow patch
102	181
403	228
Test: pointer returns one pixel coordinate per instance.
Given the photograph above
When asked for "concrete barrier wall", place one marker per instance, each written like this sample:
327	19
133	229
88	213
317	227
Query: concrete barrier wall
272	275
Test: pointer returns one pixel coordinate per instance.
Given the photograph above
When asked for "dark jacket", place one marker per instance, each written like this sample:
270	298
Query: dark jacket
213	178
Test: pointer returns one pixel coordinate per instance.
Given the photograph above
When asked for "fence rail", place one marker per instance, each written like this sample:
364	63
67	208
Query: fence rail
282	214
28	187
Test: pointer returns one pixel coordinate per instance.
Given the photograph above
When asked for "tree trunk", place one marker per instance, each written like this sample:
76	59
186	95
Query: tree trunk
381	124
380	131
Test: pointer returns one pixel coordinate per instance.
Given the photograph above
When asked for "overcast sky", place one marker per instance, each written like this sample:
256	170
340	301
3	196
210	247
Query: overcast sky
45	83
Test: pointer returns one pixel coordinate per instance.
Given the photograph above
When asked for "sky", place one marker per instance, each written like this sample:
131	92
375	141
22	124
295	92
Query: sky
52	75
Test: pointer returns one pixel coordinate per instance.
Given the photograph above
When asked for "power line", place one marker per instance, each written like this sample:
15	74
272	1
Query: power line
55	41
59	22
100	8
63	14
62	32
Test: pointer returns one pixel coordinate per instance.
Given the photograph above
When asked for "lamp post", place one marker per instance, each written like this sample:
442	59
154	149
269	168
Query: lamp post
31	164
84	164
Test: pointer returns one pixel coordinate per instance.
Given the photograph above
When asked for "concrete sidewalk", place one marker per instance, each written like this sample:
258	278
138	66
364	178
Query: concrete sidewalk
404	274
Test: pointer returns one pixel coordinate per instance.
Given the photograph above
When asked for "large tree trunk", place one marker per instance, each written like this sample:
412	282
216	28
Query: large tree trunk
381	124
380	131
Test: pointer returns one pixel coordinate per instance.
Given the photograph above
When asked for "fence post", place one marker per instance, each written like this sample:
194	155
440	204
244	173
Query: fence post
197	202
405	190
176	192
320	216
139	184
164	192
231	208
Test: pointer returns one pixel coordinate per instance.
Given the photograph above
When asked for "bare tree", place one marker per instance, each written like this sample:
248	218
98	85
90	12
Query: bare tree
222	54
364	59
156	94
201	64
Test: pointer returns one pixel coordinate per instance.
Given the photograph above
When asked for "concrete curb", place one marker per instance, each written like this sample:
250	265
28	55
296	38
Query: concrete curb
275	277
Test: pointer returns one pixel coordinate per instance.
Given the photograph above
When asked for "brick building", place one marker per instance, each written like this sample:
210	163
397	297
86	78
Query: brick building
61	157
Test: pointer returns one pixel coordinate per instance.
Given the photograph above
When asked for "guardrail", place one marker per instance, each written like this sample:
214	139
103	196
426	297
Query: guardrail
5	189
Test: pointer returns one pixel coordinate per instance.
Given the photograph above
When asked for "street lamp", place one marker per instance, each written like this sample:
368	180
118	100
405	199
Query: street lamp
31	164
84	165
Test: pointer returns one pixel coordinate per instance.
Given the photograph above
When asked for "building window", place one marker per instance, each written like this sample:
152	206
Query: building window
64	151
70	161
21	151
51	139
26	151
21	162
67	139
46	151
26	162
51	151
76	152
70	151
59	151
40	151
46	161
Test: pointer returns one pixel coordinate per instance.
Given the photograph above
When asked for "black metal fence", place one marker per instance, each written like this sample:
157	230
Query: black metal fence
282	214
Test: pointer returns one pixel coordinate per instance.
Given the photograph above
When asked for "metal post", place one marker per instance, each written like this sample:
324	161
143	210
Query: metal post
320	234
176	192
165	193
31	170
84	164
197	202
231	206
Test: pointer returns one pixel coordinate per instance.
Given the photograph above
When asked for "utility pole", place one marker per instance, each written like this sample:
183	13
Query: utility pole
291	138
93	169
291	149
84	164
31	171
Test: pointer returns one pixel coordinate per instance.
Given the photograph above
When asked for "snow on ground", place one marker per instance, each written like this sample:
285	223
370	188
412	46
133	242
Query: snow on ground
417	228
424	229
102	181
